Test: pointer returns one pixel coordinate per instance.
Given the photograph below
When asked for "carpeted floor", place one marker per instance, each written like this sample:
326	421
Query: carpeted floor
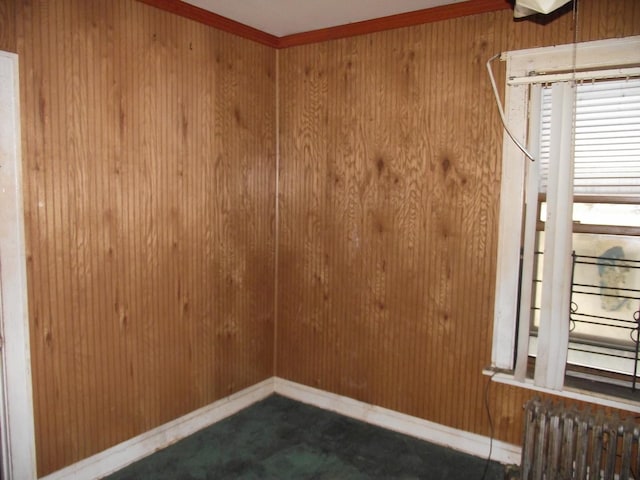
279	438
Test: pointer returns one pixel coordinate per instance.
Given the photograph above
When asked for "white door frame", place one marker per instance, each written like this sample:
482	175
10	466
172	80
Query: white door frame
17	436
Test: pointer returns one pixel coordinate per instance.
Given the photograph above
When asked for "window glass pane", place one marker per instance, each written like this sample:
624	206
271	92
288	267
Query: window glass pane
607	214
627	215
606	287
605	301
605	298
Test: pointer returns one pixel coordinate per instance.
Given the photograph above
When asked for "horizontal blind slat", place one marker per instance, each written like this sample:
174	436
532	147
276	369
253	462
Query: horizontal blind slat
606	137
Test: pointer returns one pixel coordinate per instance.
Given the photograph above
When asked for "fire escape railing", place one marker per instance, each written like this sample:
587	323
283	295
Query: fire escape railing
619	306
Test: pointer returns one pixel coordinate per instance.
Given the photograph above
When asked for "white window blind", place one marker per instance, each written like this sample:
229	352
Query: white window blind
607	137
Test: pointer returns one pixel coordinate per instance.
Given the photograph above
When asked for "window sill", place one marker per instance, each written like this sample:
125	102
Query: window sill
571	393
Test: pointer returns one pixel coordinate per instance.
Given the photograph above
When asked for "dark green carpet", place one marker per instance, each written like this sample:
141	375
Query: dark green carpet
279	438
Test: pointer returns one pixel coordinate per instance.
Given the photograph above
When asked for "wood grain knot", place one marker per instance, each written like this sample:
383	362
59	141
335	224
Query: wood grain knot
445	163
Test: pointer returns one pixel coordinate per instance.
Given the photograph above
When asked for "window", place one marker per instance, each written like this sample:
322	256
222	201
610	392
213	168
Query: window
568	280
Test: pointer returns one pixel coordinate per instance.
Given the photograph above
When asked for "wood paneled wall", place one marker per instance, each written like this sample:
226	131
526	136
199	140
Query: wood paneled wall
389	174
149	186
8	26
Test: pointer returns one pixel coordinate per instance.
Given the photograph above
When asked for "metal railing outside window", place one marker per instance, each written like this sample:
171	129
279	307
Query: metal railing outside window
605	307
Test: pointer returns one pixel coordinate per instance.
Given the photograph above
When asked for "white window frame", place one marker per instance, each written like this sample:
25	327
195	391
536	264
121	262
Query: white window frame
525	67
17	434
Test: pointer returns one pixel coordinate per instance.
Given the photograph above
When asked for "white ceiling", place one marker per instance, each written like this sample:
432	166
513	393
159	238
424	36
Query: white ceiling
286	17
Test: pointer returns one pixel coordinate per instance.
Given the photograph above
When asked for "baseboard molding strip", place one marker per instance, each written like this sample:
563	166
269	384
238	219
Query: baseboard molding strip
467	442
134	449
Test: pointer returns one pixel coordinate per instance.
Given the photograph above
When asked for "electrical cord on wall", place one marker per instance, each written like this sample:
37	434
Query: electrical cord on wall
487	409
494	87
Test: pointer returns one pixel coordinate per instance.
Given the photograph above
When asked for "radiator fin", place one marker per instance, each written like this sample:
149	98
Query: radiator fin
566	443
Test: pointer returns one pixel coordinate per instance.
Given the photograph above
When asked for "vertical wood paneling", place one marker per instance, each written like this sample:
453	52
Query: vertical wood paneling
389	181
8	25
149	146
149	150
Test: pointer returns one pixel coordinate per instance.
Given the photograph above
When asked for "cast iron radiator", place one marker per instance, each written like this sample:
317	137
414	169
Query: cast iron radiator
565	443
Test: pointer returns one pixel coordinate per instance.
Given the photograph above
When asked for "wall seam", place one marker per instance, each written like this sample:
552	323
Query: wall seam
277	217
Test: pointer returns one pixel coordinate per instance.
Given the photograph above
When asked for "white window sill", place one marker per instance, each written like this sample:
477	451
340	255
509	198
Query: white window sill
574	394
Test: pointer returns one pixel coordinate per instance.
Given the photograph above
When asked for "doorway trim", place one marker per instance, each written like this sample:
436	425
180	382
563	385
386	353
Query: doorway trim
17	435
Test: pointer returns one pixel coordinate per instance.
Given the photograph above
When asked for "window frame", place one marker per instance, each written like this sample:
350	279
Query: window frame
523	68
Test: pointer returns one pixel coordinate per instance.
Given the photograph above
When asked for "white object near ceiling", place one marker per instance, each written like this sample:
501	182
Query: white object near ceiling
287	17
524	8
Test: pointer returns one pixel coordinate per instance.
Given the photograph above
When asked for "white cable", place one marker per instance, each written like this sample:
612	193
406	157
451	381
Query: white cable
504	122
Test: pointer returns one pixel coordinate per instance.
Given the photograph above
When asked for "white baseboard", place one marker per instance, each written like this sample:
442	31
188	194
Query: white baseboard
134	449
123	454
471	443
